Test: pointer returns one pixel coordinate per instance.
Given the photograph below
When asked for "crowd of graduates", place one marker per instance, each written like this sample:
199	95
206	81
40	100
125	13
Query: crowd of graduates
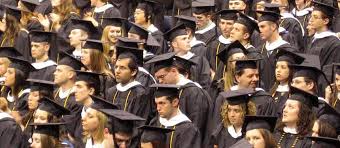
169	73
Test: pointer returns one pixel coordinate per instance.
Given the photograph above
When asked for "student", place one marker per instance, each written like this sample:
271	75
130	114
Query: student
153	137
46	135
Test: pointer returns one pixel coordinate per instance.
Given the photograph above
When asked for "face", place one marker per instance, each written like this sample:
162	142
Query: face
316	20
226	26
90	121
280	2
139	16
299	82
4	63
181	43
238	33
290	112
248	79
337	81
201	20
165	77
122	140
165	108
134	36
282	71
237	5
146	145
85	57
38	50
10	77
94	2
56	3
33	99
76	37
40	116
36	141
266	29
315	129
122	71
235	115
61	74
113	33
81	91
255	138
310	30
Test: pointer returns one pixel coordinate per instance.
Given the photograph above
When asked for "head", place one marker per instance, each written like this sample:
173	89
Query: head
110	34
94	60
259	7
247	78
337	82
41	116
237	5
282	72
322	128
167	75
97	2
233	115
305	84
135	36
260	138
94	123
181	43
167	106
4	63
226	26
33	100
122	139
126	68
83	90
267	29
142	16
64	74
319	20
39	50
43	141
202	20
77	37
15	78
56	3
239	32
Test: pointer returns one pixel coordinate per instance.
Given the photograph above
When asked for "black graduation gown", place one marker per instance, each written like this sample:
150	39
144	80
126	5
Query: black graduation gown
158	35
208	36
287	140
279	102
64	31
122	6
45	73
200	72
11	134
336	23
213	49
185	135
106	82
23	45
110	12
293	26
222	138
45	7
200	49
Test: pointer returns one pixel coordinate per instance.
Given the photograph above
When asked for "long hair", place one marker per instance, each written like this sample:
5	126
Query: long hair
98	63
268	138
12	30
65	9
277	83
49	141
228	75
99	132
247	109
325	129
107	44
19	83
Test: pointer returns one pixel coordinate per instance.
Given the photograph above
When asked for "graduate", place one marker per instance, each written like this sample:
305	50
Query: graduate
186	134
46	135
233	111
45	7
101	8
4	53
49	111
302	12
154	137
243	6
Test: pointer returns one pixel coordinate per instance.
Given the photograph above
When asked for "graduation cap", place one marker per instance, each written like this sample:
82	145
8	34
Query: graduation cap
51	129
323	142
122	121
227	14
53	107
175	31
325	6
37	85
138	53
304	97
184	63
199	7
81	4
247	63
236	97
9	52
288	56
100	103
94	44
230	49
269	16
166	90
14	11
147	5
21	64
84	25
152	133
30	4
307	71
89	77
259	122
188	21
247	21
41	36
128	42
137	29
113	21
272	7
330	115
69	60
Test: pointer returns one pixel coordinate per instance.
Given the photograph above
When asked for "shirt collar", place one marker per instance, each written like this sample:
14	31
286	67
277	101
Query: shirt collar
195	42
183	81
45	64
289	130
302	12
211	25
223	40
127	86
275	44
152	28
282	88
179	118
102	8
324	34
232	132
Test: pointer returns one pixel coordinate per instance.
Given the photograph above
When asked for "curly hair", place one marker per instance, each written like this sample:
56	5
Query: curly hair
247	109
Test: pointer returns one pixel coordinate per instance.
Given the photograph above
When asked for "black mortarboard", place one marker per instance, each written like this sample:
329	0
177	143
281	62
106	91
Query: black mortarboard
93	44
247	21
175	31
259	122
304	97
328	114
306	71
53	107
230	49
269	16
81	4
138	53
41	36
165	90
113	21
188	21
128	42
288	56
227	14
152	133
9	52
37	85
137	29
272	7
235	97
30	4
100	103
89	77
69	60
147	5
247	63
324	142
51	129
199	7
84	25
14	11
325	6
21	64
122	121
183	63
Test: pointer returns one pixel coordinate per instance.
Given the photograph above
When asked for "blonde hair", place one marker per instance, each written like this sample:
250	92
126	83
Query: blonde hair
99	132
98	63
247	109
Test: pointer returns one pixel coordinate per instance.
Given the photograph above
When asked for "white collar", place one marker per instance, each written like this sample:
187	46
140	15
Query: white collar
141	69
5	115
146	53
63	94
235	87
45	64
89	144
187	56
282	88
249	46
289	15
11	98
2	79
275	44
281	29
83	112
289	130
102	8
323	35
179	118
223	40
127	86
302	12
41	1
195	42
77	53
232	132
183	81
211	25
152	28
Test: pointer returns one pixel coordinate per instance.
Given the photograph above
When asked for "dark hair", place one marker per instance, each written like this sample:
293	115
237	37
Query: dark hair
268	138
325	129
315	85
94	85
330	18
172	98
12	29
20	82
49	141
133	65
239	72
147	12
276	84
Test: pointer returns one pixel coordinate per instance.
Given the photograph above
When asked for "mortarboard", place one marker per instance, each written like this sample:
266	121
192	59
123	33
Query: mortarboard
14	11
152	133
306	71
146	5
188	21
100	103
199	7
175	31
247	21
137	29
69	60
89	77
2	11
269	16
165	90
324	142
304	97
325	6
93	44
230	49
272	7
84	25
288	56
138	53
51	129
128	42
37	85
53	107
113	21
41	36
247	63
9	52
227	14
30	4
330	115
21	64
259	122
81	4
235	97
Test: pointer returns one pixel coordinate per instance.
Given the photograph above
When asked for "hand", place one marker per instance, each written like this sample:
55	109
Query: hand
44	21
328	93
